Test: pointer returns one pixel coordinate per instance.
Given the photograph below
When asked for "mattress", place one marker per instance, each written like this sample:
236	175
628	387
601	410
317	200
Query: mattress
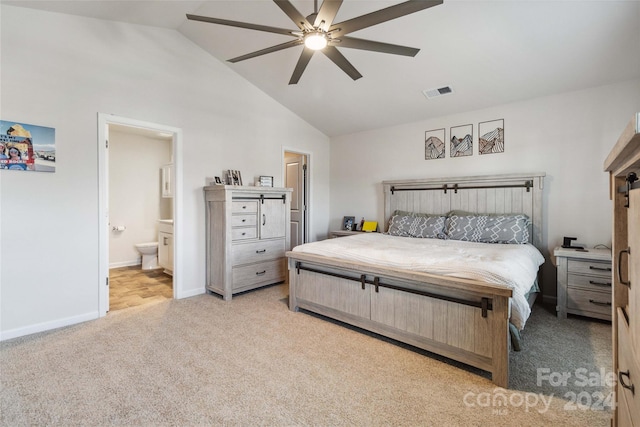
510	265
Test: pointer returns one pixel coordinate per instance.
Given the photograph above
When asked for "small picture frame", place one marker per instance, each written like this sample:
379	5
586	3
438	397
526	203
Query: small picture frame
234	177
349	223
266	181
217	180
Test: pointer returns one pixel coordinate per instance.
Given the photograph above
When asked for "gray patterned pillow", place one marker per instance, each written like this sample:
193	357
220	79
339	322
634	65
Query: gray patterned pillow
489	228
431	227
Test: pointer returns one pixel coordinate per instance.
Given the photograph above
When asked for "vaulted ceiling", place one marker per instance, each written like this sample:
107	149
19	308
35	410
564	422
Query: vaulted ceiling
488	52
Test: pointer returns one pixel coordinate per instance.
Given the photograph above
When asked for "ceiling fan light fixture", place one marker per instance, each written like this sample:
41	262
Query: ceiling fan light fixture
316	40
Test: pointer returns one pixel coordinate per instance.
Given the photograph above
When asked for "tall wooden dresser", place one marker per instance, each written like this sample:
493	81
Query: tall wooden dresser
247	234
623	163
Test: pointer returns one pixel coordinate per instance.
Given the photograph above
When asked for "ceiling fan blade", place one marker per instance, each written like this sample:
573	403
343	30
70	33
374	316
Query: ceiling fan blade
374	46
382	15
276	48
241	25
327	13
338	59
305	57
293	13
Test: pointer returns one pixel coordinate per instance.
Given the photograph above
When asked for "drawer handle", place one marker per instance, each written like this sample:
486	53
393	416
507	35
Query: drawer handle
628	252
165	241
599	283
244	207
244	234
264	219
260	273
261	252
622	383
591	267
244	220
602	303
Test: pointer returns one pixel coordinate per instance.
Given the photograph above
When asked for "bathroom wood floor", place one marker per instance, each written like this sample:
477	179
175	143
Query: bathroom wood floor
131	287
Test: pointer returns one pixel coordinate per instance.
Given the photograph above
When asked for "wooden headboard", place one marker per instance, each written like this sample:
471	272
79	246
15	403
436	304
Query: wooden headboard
491	194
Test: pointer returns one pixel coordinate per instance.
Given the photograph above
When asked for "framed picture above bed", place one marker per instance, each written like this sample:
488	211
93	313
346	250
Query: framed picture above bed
461	138
491	137
349	223
434	145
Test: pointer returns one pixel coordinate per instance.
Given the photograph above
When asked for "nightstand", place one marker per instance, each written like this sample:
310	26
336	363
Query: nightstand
584	283
341	233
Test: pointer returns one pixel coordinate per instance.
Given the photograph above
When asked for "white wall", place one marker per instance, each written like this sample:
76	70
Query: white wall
568	136
135	192
60	71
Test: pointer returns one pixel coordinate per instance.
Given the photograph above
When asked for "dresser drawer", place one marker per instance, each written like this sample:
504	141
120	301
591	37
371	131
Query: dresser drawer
584	300
589	282
628	371
592	268
245	206
246	253
261	272
244	220
244	233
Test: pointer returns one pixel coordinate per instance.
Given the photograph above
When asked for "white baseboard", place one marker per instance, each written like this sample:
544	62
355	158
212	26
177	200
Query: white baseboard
190	293
47	326
125	263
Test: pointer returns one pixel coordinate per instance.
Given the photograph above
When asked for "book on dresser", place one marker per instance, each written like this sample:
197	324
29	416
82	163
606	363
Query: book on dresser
623	165
247	233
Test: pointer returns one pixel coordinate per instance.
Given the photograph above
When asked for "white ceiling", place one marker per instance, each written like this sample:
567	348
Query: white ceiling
489	52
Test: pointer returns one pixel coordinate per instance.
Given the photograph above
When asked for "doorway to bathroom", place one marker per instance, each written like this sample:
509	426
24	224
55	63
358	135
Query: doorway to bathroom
139	197
296	176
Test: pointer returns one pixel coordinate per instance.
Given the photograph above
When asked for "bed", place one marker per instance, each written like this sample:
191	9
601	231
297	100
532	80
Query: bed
459	310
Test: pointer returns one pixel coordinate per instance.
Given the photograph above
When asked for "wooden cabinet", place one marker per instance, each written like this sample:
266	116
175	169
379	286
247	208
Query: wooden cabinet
622	163
584	283
247	234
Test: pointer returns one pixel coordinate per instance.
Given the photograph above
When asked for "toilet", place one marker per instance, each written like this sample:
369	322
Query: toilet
149	253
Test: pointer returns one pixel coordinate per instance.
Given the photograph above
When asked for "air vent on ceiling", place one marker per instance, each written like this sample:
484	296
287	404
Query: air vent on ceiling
433	93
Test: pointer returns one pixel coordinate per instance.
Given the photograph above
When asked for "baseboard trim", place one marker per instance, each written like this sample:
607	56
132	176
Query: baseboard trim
125	263
190	293
47	326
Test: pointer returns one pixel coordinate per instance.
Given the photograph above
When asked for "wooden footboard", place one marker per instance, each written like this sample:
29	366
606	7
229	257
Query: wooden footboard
464	320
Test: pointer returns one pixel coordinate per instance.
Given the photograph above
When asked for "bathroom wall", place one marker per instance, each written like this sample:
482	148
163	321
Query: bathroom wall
135	200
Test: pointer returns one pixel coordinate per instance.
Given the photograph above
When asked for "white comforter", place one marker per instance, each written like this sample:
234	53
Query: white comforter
514	266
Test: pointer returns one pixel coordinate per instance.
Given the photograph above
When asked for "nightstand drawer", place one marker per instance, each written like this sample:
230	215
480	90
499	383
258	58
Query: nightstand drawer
589	282
583	300
592	268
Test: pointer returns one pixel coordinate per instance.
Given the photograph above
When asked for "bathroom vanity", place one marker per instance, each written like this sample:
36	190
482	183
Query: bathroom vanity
165	245
247	234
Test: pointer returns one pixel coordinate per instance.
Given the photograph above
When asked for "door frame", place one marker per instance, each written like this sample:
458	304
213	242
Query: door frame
104	120
308	186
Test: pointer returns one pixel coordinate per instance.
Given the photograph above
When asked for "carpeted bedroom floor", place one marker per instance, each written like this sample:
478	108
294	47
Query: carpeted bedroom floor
203	361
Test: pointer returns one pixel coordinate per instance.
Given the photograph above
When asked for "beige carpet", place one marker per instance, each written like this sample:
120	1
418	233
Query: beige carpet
203	361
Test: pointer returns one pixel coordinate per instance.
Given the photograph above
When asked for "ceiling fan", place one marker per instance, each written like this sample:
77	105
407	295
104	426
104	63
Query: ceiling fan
318	32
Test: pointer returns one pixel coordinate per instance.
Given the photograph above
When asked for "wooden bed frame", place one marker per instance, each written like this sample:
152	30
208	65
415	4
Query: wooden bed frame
464	320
